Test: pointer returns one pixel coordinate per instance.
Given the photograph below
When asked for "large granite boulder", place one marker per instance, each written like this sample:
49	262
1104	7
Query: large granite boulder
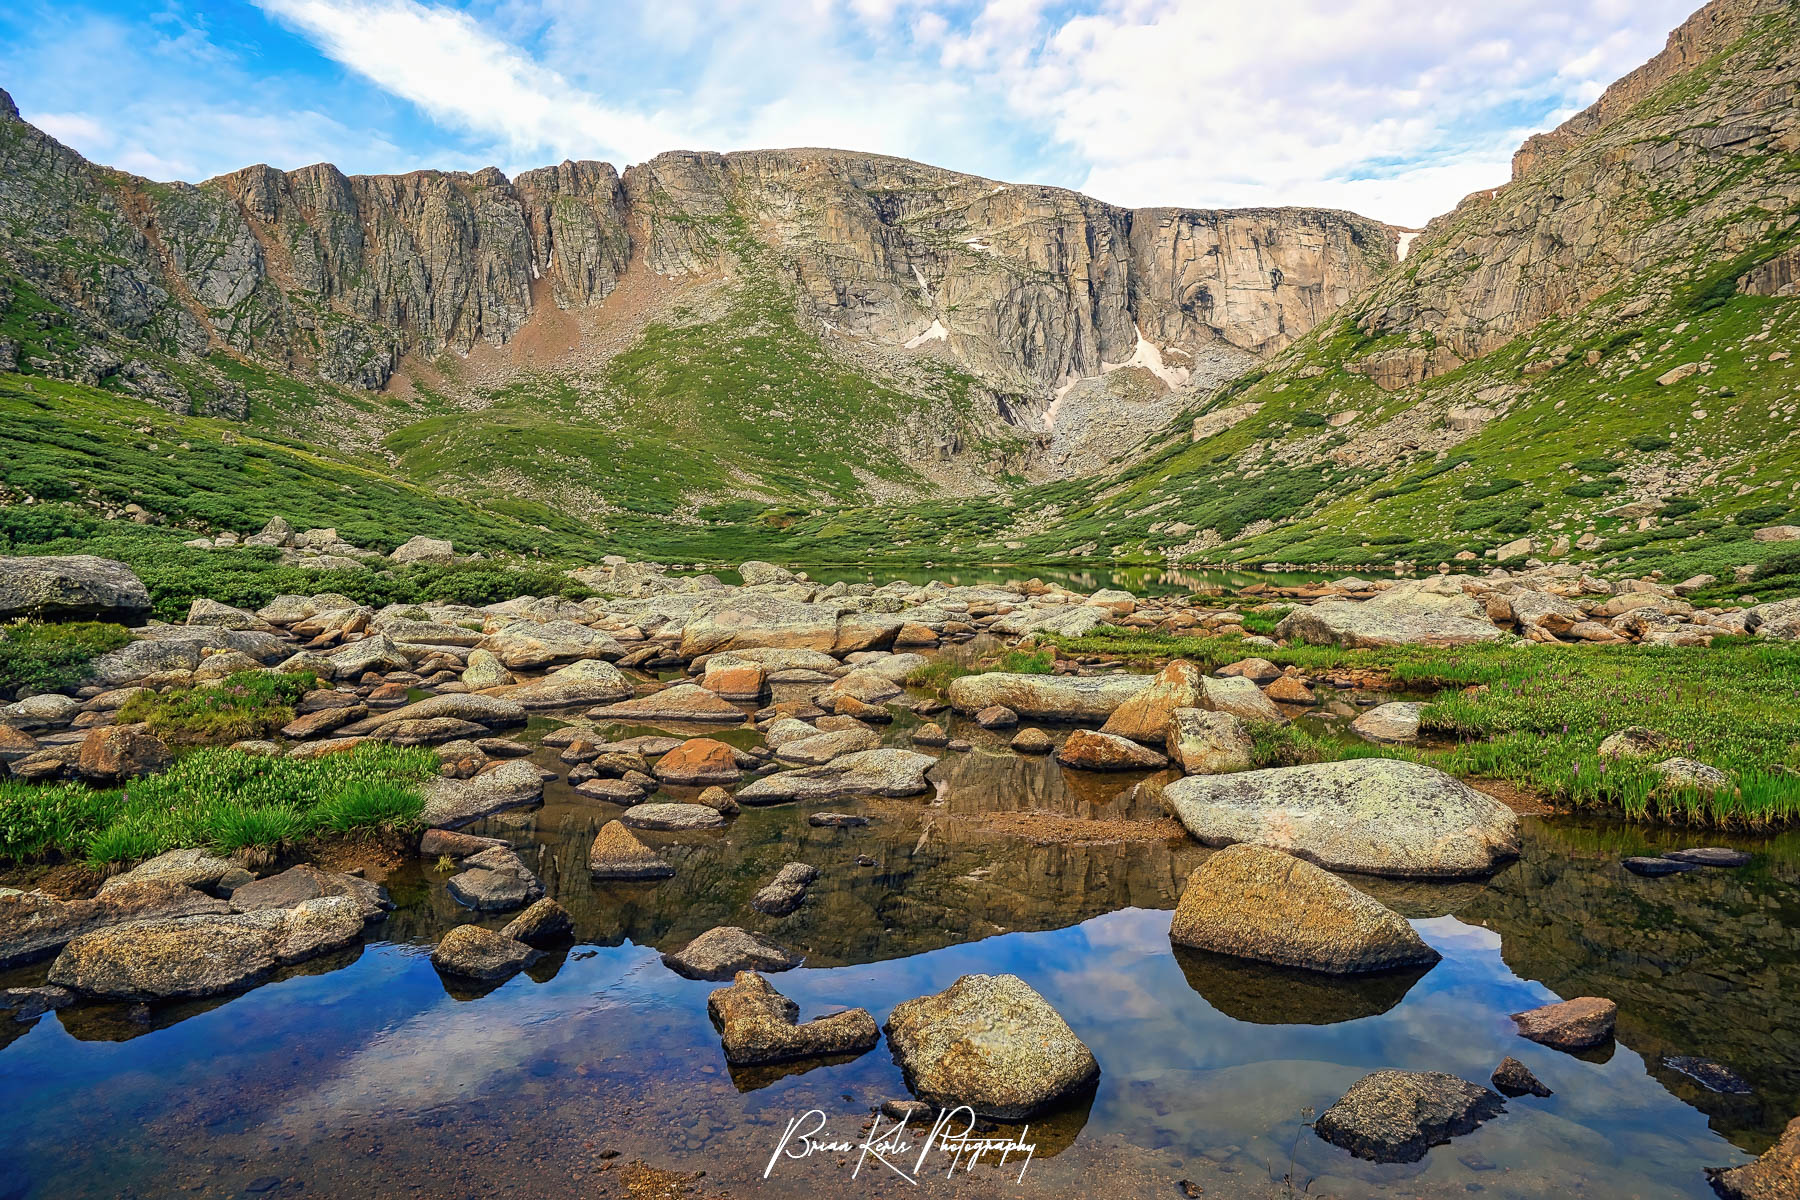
453	802
822	748
1394	724
699	762
672	817
298	884
1396	1116
747	620
494	711
1146	716
72	587
1088	698
722	952
203	955
1252	902
757	1024
1209	743
1367	626
1376	816
189	867
992	1043
864	773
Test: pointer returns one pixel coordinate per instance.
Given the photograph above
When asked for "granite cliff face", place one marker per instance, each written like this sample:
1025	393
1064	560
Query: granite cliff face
338	278
1648	179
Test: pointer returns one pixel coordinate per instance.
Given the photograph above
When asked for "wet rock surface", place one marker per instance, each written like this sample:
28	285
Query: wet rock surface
1398	1116
757	1024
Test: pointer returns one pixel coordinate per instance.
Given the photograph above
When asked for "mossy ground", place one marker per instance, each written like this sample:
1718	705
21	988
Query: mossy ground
1535	716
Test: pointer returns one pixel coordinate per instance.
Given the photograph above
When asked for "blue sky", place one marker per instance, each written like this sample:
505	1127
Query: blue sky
1393	108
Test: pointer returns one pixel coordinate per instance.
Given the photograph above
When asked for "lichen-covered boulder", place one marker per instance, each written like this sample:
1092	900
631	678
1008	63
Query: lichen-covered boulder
70	587
1376	816
1252	902
990	1042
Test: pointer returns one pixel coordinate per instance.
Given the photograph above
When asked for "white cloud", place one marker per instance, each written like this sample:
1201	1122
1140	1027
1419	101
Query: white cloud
1393	107
450	67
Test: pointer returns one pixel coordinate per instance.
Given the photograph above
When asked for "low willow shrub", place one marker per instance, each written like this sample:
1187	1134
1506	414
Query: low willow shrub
249	704
46	656
219	799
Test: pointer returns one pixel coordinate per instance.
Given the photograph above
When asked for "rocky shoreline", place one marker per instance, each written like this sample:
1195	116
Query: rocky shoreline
813	674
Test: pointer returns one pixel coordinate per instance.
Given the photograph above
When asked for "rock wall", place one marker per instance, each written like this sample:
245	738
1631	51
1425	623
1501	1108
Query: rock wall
1671	162
340	276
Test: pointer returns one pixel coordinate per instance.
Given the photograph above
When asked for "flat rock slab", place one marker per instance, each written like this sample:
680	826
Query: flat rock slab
864	773
822	748
1653	867
722	952
672	817
189	867
757	1024
205	955
1374	816
297	885
1396	1116
453	802
1252	902
1577	1024
1366	626
1711	856
990	1042
683	702
1087	698
34	925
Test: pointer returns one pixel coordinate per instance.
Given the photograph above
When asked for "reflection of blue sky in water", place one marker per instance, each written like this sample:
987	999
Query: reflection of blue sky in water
381	1040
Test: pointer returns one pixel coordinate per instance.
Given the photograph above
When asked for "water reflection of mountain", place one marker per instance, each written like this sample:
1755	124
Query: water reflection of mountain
1706	963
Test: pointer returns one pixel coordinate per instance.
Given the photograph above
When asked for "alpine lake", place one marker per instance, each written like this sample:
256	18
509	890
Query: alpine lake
597	1072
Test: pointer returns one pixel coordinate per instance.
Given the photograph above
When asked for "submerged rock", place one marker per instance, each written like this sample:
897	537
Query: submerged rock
1714	1077
1576	1024
1711	856
992	1043
1253	902
1653	867
1375	816
1396	1116
757	1024
477	953
783	894
722	952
